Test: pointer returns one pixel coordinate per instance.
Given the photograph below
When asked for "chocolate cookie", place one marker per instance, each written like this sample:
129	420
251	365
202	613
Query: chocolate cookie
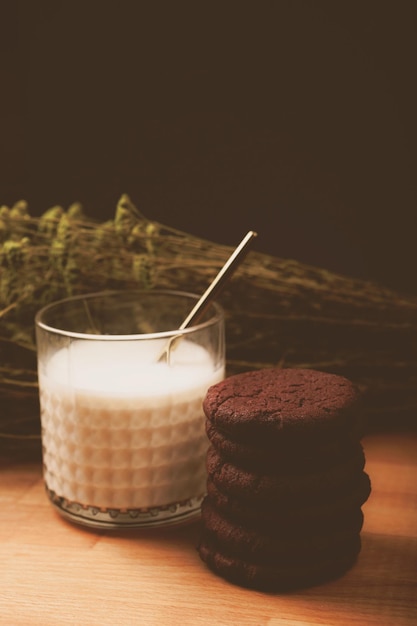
286	478
281	457
285	489
263	406
267	548
273	515
278	577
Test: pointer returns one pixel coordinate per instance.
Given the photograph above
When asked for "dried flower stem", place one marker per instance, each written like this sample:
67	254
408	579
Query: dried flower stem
279	312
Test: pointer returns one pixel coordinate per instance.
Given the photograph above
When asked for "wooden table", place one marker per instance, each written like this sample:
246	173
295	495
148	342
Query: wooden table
55	573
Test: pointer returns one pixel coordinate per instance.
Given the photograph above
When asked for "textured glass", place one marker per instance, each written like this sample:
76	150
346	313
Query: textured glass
123	434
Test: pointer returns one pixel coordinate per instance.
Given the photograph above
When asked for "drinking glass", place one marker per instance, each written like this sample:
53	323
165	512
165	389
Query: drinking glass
123	430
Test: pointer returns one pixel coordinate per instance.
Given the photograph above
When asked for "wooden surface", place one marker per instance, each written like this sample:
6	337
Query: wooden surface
54	573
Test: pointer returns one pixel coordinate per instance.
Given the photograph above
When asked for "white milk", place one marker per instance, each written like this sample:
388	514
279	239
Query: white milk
121	430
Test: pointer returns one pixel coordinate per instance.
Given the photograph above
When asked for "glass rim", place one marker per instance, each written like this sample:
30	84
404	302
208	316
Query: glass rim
166	334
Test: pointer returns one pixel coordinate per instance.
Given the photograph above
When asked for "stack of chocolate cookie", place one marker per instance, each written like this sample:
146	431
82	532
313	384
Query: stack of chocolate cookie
286	478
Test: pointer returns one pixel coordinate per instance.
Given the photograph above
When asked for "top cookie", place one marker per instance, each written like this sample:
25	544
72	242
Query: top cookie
270	404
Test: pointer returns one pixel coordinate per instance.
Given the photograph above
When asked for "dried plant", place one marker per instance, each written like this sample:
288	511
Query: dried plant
279	312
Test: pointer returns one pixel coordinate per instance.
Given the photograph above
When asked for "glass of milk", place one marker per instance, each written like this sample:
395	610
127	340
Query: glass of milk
123	430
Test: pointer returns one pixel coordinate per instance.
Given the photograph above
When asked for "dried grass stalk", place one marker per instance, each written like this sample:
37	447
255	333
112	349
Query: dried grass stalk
279	312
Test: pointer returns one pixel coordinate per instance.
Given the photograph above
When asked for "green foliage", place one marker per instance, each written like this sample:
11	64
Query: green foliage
278	312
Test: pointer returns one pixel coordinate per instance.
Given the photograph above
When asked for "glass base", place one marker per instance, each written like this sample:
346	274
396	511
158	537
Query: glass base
116	519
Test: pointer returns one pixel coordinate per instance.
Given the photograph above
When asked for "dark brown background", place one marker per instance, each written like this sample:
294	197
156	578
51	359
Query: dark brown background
294	118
